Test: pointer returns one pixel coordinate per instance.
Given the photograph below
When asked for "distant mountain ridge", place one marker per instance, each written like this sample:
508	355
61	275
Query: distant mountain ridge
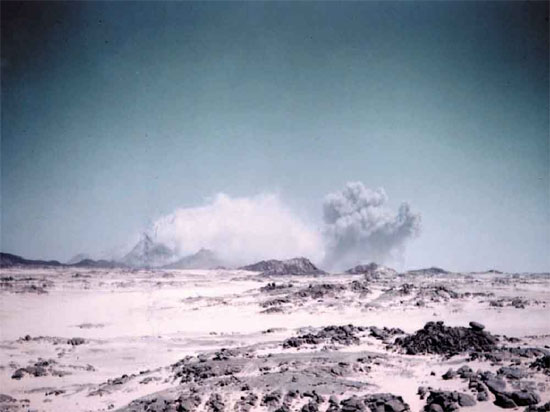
203	259
295	266
9	260
429	271
101	263
78	258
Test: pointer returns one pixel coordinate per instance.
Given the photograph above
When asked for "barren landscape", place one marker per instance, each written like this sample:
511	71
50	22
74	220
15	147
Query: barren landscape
370	339
274	206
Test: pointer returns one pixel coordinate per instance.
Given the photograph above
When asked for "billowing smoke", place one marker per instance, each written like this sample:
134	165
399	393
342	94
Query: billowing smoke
359	227
239	230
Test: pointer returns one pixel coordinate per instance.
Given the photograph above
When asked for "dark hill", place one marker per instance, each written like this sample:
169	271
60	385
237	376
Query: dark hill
9	260
296	266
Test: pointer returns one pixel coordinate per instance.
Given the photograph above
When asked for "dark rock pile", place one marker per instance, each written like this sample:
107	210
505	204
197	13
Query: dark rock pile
363	269
76	341
343	335
318	291
359	286
272	399
436	338
438	293
464	372
447	401
504	398
542	364
197	370
274	302
215	403
246	402
511	373
272	286
384	333
40	368
386	402
516	302
372	271
541	408
184	403
406	288
9	404
376	402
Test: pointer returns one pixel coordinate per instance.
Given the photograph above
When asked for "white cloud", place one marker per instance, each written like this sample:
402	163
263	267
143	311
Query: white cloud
240	230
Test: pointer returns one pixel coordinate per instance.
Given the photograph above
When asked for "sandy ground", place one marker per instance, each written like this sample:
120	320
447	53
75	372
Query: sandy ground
139	323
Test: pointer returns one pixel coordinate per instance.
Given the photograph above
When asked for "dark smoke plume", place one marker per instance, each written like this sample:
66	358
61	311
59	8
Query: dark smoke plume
359	227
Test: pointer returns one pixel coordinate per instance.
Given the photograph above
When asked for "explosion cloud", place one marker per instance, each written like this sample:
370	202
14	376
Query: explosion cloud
360	228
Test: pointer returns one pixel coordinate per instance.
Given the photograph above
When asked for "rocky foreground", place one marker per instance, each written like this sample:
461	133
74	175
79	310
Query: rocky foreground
367	340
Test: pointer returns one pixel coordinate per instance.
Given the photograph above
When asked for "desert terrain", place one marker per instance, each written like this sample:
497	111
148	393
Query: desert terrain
372	339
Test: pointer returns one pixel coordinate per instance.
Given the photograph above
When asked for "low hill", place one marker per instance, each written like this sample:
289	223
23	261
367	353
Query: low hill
203	259
296	266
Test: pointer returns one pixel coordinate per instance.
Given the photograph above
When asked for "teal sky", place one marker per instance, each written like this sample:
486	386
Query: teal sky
114	113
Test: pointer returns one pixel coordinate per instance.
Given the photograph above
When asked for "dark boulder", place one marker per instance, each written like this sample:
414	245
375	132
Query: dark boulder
476	326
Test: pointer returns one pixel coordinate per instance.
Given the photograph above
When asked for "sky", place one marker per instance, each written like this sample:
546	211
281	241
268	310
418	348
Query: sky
114	114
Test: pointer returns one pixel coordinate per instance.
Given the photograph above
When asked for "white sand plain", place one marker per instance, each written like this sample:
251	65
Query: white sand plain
145	320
